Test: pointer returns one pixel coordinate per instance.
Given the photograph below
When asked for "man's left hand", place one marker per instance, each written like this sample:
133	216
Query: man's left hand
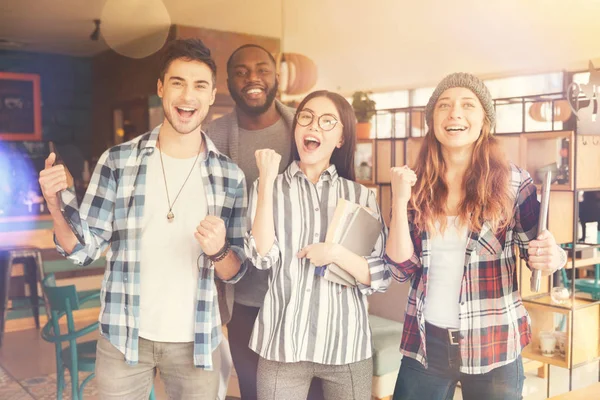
211	235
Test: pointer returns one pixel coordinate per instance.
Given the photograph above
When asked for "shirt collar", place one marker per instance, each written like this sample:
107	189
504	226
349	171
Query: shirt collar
330	174
149	141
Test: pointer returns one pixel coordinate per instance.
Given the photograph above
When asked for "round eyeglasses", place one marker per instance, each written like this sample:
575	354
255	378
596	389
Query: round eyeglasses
326	121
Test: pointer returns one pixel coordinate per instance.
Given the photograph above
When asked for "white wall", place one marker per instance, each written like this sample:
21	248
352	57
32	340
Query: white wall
391	44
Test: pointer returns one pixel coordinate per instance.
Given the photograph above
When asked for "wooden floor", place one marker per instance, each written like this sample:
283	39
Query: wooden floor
588	393
28	369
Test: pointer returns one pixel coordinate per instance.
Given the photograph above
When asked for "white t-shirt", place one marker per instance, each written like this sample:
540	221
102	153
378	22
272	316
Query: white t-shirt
445	275
169	250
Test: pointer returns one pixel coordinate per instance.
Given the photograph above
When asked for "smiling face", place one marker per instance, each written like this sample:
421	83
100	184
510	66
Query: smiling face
252	80
458	118
316	145
187	93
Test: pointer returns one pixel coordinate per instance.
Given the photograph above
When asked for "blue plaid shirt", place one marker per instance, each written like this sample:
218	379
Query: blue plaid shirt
111	215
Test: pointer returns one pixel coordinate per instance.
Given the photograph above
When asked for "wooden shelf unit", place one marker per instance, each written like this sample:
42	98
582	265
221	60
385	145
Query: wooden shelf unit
586	335
544	148
583	262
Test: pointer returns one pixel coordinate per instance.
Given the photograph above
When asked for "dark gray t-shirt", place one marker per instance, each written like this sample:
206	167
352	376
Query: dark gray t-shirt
273	137
251	289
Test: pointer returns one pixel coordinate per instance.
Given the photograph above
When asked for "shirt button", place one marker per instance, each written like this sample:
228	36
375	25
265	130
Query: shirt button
124	308
316	235
307	290
125	278
462	304
317	209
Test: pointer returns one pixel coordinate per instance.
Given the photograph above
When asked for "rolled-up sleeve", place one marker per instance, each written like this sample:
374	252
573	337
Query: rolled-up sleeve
527	213
403	271
262	262
236	228
93	219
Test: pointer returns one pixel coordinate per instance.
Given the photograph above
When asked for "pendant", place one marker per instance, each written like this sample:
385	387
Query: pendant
170	216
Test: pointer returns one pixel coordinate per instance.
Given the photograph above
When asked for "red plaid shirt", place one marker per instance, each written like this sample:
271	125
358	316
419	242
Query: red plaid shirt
494	325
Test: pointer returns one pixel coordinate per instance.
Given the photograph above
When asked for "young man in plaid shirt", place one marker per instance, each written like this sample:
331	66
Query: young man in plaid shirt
171	210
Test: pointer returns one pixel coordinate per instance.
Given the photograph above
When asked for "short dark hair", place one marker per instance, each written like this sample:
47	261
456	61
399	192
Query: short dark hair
188	50
230	59
342	158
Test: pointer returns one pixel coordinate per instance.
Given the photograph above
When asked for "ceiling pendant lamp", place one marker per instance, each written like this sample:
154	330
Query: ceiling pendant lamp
297	73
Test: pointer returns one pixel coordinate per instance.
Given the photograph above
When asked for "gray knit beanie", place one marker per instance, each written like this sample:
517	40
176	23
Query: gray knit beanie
466	80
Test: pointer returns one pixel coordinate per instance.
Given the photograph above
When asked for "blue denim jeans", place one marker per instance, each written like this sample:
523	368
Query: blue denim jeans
438	382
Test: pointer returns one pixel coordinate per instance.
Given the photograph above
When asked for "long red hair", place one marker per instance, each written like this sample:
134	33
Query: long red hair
486	194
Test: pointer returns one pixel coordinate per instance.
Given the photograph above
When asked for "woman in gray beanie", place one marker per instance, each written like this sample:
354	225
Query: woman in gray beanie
455	221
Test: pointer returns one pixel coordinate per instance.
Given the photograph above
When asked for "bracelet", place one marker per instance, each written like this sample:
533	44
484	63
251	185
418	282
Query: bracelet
221	254
563	258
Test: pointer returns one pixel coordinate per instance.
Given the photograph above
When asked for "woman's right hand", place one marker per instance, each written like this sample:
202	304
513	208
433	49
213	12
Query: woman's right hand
403	179
267	161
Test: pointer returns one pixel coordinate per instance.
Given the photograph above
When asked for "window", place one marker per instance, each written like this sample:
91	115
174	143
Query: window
420	97
387	100
528	85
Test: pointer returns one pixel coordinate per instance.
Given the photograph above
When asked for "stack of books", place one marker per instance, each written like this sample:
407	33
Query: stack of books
355	227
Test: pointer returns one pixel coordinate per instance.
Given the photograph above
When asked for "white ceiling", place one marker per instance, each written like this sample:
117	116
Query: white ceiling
64	26
386	44
356	44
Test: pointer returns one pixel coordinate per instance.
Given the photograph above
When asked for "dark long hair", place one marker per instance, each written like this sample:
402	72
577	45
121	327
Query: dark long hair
342	158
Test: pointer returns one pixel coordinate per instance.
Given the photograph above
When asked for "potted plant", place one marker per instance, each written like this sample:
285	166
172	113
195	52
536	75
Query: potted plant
364	109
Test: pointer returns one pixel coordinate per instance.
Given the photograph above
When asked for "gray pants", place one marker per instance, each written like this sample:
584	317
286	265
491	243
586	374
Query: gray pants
290	381
119	381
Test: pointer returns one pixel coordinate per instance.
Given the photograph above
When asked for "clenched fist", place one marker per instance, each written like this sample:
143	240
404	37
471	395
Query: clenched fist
53	179
211	234
403	179
267	161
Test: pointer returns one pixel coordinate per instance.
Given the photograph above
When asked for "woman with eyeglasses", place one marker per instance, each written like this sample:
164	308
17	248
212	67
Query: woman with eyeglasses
456	220
308	326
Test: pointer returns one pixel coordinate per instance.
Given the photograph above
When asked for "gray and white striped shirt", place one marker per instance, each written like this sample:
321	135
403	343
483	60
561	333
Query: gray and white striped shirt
305	317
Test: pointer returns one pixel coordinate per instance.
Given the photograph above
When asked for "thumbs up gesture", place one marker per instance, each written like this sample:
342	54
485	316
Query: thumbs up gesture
53	179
